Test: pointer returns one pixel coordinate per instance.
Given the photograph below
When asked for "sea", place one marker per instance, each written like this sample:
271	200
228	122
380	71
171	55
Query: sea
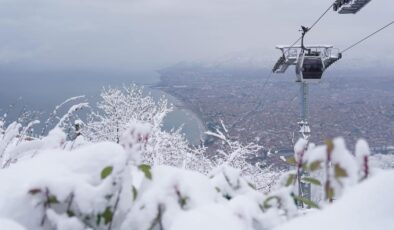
42	90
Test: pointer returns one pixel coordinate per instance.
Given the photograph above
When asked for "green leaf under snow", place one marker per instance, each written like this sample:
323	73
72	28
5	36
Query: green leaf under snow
306	202
135	193
330	145
52	200
291	160
314	166
339	171
290	180
182	201
267	201
329	192
107	215
311	180
227	196
70	213
98	220
146	169
106	172
252	186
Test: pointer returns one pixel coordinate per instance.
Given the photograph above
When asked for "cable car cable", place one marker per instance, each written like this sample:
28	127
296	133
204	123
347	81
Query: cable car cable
367	37
314	24
262	102
318	20
262	96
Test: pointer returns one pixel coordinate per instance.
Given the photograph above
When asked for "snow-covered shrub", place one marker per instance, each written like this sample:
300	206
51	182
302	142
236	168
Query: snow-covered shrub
8	137
165	194
119	107
87	187
16	141
13	142
367	206
54	120
104	186
63	188
229	182
332	167
97	186
176	199
237	155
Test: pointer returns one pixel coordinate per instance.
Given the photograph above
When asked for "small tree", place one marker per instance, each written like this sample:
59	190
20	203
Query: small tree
237	155
118	107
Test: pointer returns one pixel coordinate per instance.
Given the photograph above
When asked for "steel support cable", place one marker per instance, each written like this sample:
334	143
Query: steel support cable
262	102
367	37
314	24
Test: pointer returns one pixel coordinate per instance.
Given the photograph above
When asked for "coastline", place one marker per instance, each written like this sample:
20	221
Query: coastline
183	111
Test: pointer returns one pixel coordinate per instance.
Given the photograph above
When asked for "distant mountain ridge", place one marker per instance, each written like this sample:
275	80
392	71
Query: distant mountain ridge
259	60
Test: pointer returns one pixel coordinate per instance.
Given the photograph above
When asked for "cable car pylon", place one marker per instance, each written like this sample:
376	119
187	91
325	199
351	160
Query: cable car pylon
310	63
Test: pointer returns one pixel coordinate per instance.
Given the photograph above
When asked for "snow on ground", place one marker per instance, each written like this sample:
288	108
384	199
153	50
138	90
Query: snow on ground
7	224
103	186
367	206
61	173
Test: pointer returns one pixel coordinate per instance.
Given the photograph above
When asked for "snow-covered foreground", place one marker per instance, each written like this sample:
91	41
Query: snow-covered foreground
367	206
60	189
95	186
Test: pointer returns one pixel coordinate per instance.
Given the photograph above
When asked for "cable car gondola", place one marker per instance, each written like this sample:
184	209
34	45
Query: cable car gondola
310	67
349	6
310	61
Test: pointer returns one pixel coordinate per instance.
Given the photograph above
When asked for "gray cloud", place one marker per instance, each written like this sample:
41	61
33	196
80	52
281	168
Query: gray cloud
143	34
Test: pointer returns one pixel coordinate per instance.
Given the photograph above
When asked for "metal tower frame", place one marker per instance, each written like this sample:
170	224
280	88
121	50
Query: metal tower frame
295	55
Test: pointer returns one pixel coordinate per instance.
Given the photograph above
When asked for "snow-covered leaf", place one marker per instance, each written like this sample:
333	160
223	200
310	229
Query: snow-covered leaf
106	172
311	180
307	202
107	215
339	171
146	169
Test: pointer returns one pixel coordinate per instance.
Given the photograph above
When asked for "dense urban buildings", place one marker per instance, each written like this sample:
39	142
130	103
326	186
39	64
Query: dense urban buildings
355	104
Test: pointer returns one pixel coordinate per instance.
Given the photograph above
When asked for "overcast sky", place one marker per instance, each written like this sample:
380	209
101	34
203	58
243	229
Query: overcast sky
150	34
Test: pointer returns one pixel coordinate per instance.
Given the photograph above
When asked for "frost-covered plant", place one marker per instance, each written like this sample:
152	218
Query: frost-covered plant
332	166
102	198
237	155
76	139
16	141
105	186
118	107
172	148
8	138
53	116
363	153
